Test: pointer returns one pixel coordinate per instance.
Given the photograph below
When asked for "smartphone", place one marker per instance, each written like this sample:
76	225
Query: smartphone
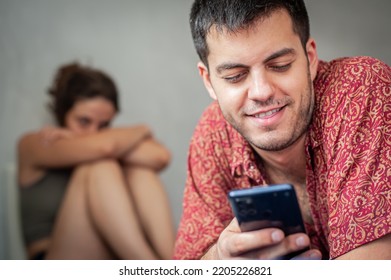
268	206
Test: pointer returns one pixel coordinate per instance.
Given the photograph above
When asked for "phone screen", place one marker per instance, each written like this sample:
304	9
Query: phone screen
267	206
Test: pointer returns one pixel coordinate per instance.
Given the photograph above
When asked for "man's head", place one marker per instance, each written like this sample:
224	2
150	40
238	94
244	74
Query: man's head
258	62
236	15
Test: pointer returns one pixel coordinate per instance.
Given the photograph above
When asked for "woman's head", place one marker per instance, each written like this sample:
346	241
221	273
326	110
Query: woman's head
83	98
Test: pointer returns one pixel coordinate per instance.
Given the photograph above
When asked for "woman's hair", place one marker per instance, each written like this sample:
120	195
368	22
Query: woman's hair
74	82
236	15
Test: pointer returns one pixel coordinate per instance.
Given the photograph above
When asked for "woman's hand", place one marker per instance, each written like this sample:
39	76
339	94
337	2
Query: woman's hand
150	154
50	134
268	243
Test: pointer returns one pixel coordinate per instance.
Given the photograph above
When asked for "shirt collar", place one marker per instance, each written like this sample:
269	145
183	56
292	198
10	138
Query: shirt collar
243	161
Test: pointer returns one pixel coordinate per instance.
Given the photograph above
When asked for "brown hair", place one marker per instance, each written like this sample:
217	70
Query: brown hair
74	82
236	15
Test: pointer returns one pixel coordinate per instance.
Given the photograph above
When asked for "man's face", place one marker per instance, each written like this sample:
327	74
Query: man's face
262	80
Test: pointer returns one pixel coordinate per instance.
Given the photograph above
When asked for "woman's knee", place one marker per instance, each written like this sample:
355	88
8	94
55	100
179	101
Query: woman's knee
96	168
80	172
105	169
132	170
103	165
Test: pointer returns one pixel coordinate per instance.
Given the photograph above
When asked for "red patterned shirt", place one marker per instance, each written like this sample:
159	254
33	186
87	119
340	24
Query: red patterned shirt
348	152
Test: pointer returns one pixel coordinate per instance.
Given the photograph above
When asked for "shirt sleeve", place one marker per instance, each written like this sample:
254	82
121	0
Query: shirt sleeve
205	206
360	180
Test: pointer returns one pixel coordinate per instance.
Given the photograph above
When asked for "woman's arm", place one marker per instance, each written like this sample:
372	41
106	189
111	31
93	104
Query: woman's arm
65	152
149	153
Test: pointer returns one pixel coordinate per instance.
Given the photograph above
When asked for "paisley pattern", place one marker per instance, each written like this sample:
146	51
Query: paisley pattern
348	151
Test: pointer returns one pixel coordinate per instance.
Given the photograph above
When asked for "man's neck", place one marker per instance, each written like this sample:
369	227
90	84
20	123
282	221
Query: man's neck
286	166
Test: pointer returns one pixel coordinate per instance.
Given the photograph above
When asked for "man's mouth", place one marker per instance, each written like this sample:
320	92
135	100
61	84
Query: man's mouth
268	113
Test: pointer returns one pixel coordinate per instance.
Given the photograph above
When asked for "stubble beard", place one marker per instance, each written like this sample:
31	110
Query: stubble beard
273	140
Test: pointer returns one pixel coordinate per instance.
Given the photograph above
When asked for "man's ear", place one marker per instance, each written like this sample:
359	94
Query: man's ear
204	73
313	59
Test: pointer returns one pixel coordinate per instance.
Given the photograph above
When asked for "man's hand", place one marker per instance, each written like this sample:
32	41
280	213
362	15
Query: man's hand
269	243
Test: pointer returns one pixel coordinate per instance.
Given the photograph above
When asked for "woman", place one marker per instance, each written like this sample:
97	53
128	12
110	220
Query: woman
89	191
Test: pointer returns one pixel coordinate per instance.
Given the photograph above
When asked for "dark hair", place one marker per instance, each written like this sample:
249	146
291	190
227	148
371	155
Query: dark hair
74	82
235	15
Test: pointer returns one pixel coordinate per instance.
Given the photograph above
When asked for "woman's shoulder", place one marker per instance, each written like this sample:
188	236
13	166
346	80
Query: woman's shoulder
27	172
26	139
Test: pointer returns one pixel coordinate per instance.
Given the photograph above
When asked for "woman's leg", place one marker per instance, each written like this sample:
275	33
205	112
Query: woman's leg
153	208
97	219
74	235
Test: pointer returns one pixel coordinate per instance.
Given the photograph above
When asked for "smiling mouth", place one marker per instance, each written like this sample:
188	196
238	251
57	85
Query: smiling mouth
268	113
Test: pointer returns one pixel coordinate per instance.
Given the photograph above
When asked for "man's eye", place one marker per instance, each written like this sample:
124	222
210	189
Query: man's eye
235	78
281	68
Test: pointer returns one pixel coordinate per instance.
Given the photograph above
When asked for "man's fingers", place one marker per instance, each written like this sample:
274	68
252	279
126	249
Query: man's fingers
312	254
238	243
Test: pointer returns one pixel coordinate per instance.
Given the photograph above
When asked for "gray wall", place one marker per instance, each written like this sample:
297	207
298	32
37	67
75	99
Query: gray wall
146	46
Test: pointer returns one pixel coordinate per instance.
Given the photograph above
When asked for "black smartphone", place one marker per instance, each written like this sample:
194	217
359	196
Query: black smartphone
268	206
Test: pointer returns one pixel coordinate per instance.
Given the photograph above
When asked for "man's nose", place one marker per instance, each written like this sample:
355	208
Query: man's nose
261	88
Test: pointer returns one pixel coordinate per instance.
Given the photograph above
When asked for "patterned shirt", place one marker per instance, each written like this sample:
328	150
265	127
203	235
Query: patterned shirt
348	164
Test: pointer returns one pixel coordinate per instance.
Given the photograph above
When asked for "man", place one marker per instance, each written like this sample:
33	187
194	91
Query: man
283	116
